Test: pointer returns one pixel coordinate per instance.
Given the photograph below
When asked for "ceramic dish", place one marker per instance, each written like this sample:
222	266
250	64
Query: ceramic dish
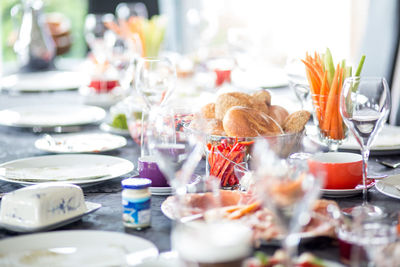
75	248
389	186
79	169
342	193
91	207
80	143
43	81
51	115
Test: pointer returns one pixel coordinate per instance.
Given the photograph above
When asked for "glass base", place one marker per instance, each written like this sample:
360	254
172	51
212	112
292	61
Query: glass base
370	210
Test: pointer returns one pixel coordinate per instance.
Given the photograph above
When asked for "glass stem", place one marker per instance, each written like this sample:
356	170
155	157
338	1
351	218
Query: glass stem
365	156
290	244
143	146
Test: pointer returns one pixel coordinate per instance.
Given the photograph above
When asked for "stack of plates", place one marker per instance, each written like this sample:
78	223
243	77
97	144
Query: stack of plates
161	191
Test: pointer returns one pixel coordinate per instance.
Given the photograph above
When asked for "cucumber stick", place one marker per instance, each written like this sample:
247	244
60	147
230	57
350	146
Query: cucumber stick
329	66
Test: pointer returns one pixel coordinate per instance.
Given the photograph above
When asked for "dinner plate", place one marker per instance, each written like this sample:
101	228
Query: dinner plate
108	128
51	115
79	169
75	248
80	143
260	77
91	207
43	81
341	193
386	186
388	141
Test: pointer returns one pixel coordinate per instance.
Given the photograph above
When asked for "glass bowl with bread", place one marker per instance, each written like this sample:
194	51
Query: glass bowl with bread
235	121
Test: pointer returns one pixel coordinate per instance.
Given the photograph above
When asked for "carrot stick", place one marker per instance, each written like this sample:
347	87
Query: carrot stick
330	101
340	120
314	74
323	93
245	210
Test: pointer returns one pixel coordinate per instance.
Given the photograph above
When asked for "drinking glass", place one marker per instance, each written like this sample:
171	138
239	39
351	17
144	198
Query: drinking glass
98	37
155	81
177	153
289	191
298	81
364	106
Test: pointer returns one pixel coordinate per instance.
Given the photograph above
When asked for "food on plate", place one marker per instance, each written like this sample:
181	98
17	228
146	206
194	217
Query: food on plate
226	101
222	158
245	208
306	259
43	204
208	111
102	86
295	122
119	121
264	224
278	113
249	122
326	83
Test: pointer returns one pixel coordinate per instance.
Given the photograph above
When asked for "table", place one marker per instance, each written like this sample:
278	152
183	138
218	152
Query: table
19	143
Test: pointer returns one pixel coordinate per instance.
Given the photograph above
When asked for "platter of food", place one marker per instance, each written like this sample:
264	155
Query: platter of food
240	206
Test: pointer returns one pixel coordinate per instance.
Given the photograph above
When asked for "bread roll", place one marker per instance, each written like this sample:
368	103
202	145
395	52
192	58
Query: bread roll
249	122
228	100
208	111
214	127
278	113
296	121
263	96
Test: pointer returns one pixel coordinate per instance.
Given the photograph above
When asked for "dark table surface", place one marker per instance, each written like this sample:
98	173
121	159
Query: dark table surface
16	143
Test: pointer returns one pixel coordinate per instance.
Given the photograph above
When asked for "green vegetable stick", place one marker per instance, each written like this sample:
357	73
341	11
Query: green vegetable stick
360	66
329	66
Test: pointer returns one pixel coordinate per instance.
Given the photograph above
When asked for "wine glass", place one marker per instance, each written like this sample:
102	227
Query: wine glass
177	153
364	106
155	80
289	191
298	81
98	37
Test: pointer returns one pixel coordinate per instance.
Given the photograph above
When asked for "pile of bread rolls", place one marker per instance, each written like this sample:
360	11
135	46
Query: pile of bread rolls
239	114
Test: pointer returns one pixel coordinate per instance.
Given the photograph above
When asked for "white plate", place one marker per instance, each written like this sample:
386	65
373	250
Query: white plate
388	139
263	77
386	186
75	248
51	115
43	81
80	143
108	128
80	169
340	193
91	207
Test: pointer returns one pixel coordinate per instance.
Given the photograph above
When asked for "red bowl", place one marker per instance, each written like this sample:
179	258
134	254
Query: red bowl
342	170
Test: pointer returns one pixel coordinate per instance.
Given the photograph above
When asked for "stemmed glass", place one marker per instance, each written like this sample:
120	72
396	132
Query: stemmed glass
364	106
289	191
298	81
155	81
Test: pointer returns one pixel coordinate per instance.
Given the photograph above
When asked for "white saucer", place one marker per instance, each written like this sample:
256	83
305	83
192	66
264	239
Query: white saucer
386	186
341	193
161	191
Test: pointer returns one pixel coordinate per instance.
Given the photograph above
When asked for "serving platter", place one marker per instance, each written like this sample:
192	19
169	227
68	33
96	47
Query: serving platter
91	207
80	143
79	169
75	248
51	115
43	81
